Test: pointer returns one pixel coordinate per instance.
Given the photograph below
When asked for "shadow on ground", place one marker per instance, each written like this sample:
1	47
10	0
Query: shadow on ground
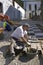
22	58
7	57
4	49
26	57
41	59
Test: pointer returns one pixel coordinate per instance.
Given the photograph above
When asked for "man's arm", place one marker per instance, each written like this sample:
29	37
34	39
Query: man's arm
23	40
26	37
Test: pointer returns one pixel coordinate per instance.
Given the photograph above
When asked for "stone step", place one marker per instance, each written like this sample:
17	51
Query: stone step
32	37
36	30
36	46
33	41
40	51
39	46
39	37
35	27
30	31
33	46
39	34
32	34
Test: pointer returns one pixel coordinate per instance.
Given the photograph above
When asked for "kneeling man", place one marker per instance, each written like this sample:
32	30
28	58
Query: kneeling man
19	38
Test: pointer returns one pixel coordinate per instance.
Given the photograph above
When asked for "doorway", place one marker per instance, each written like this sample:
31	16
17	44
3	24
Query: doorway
29	15
1	7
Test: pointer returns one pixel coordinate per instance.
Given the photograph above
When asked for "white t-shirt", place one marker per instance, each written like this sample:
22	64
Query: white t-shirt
19	32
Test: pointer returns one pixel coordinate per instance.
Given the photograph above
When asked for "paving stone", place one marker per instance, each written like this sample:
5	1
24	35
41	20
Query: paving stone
34	27
33	41
30	31
37	30
34	46
39	34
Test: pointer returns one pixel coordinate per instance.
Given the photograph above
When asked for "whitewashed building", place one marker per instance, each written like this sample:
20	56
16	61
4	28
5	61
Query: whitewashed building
15	12
30	6
4	5
21	10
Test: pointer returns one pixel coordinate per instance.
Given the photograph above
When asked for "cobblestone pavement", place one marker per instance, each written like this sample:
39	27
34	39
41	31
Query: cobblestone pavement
19	60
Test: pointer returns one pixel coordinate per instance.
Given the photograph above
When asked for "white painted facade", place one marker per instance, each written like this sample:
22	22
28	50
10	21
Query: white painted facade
32	11
14	12
19	8
6	4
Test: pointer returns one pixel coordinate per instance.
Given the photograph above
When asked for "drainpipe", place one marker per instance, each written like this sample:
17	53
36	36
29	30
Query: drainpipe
25	9
13	2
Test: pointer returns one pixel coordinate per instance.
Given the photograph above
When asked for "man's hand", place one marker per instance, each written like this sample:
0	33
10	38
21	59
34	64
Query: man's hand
24	40
28	44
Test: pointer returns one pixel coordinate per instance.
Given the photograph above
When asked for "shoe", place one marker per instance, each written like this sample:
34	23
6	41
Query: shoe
19	47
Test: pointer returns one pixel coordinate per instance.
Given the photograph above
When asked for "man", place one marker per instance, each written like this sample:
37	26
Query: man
19	38
7	26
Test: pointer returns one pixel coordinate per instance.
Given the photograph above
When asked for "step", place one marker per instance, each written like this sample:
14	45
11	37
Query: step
33	41
33	46
36	30
39	34
35	27
32	37
31	31
39	46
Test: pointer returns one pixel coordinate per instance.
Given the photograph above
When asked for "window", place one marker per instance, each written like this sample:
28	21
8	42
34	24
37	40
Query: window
35	6
29	6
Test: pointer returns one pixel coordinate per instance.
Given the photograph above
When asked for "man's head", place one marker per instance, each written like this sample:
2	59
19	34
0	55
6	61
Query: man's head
26	26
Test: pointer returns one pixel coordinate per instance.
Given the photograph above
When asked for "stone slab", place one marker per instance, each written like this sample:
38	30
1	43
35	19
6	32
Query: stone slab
39	34
36	30
33	46
33	41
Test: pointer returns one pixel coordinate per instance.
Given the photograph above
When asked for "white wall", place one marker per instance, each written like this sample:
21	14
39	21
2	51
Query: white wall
26	6
16	13
22	11
6	4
